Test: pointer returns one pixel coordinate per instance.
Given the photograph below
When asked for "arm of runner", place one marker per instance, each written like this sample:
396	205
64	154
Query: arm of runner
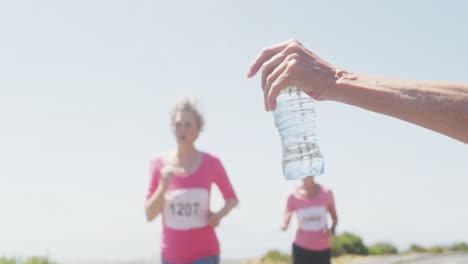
286	219
158	187
333	214
215	218
230	198
290	207
334	217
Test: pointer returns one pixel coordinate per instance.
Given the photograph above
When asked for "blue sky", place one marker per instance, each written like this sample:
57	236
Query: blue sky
85	89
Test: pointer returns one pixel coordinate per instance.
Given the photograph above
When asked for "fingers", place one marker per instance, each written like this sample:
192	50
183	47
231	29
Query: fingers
291	61
292	52
291	64
170	170
327	232
178	170
275	66
284	79
213	221
269	66
268	53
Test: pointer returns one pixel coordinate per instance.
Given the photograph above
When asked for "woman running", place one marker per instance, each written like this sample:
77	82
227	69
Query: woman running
180	190
312	203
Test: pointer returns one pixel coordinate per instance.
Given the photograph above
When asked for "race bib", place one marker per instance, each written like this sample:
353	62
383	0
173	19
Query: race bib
312	218
186	208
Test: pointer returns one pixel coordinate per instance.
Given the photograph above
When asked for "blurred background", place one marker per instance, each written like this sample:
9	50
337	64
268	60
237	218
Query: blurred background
85	90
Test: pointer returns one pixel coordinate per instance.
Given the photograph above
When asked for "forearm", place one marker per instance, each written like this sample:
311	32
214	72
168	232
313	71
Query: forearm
229	204
155	203
284	224
439	106
286	219
334	224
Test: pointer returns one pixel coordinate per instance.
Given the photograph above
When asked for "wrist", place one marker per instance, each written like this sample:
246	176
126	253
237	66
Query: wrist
164	185
340	81
221	213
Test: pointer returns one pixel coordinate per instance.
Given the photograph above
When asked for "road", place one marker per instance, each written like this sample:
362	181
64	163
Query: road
417	259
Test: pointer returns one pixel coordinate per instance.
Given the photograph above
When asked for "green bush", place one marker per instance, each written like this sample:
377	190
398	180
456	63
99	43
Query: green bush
348	243
276	256
382	249
39	260
4	260
417	248
463	247
30	260
436	249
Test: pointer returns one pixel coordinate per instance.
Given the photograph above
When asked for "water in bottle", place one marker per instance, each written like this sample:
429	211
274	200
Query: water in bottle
295	120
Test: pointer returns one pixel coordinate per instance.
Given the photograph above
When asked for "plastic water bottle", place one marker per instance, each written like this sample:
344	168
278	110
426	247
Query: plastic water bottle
295	121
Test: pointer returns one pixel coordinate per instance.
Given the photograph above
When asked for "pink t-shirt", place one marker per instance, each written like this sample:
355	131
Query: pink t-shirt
186	235
312	218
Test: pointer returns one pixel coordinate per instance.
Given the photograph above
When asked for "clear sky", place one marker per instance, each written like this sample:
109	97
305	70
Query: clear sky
85	89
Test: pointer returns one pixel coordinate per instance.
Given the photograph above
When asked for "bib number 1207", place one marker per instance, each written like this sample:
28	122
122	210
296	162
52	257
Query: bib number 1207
184	209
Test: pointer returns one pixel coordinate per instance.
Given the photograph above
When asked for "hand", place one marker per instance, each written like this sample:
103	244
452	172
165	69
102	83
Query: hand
291	64
214	219
168	171
328	232
283	227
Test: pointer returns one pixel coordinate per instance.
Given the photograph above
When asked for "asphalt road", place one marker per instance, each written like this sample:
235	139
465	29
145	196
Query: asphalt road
417	259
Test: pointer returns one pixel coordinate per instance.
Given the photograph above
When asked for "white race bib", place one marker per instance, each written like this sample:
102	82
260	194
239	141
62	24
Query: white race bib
186	208
312	218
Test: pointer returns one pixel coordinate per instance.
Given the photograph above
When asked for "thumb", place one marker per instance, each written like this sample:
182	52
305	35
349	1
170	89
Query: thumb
178	170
